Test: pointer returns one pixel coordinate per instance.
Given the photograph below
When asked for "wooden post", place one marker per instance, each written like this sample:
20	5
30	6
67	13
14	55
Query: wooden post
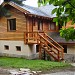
58	56
44	55
62	54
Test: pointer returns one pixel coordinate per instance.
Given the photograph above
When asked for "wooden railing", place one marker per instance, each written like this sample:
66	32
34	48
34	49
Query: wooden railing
53	50
45	42
32	37
54	43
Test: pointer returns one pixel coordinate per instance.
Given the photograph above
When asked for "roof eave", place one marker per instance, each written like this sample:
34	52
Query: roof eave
38	16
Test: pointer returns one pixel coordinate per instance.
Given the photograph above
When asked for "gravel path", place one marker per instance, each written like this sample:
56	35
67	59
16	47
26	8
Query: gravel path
66	71
4	71
61	73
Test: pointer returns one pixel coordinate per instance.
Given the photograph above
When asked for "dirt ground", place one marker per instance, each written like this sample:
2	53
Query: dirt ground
5	71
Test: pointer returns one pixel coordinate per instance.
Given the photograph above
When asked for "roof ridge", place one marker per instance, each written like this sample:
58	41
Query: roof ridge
29	9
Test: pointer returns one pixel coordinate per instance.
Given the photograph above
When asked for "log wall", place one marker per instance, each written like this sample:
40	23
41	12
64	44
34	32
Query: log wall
23	24
20	26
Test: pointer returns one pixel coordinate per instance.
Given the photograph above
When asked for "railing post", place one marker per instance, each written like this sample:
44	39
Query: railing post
62	54
58	56
44	55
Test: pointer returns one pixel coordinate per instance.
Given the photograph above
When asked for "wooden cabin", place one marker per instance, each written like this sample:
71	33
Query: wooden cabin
23	33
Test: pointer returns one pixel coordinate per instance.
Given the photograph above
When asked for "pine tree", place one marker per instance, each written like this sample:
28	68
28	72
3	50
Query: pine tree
4	11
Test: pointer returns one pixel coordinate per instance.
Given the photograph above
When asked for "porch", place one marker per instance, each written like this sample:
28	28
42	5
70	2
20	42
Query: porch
46	44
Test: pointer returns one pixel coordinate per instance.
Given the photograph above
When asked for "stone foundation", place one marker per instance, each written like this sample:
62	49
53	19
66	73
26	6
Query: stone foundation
27	51
35	56
69	57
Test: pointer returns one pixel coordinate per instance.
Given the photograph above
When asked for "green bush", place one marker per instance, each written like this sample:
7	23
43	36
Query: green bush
68	34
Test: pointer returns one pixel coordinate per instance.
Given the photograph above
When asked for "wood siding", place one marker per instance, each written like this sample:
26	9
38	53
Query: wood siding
23	24
45	25
20	26
33	26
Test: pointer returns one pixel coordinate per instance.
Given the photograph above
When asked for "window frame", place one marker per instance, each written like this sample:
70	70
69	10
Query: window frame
50	26
37	48
6	47
40	25
65	48
8	24
18	47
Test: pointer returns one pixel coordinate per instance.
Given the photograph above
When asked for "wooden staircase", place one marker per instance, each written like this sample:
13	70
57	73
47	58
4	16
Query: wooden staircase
46	44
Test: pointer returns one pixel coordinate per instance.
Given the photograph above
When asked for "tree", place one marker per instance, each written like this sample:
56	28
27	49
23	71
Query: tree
4	11
16	1
65	11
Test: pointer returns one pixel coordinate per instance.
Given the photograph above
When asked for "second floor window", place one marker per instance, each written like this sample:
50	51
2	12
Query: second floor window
11	24
40	25
52	26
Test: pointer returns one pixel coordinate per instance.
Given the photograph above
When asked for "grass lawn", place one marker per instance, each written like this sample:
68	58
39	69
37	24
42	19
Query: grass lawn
32	64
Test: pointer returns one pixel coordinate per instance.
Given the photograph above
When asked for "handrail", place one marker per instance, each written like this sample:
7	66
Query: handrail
51	54
54	47
49	42
57	44
54	41
28	37
48	47
57	58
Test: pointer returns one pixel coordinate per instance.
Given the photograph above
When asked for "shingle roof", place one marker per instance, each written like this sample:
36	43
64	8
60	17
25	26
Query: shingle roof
34	10
31	10
48	9
56	37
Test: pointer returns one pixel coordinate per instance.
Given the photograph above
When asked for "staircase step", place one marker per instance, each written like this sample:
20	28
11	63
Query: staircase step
45	47
51	47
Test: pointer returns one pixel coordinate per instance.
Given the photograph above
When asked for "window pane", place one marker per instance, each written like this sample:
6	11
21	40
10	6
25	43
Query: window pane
18	48
52	26
40	25
6	47
12	24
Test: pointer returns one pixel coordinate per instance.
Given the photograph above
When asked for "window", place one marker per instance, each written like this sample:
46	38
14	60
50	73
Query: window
6	47
52	26
11	24
18	48
37	48
40	25
65	48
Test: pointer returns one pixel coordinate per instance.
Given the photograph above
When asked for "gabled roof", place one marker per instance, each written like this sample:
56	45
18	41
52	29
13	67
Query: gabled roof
28	9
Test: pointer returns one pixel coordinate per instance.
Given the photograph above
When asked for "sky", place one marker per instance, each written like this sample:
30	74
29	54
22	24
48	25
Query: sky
1	1
28	2
32	3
